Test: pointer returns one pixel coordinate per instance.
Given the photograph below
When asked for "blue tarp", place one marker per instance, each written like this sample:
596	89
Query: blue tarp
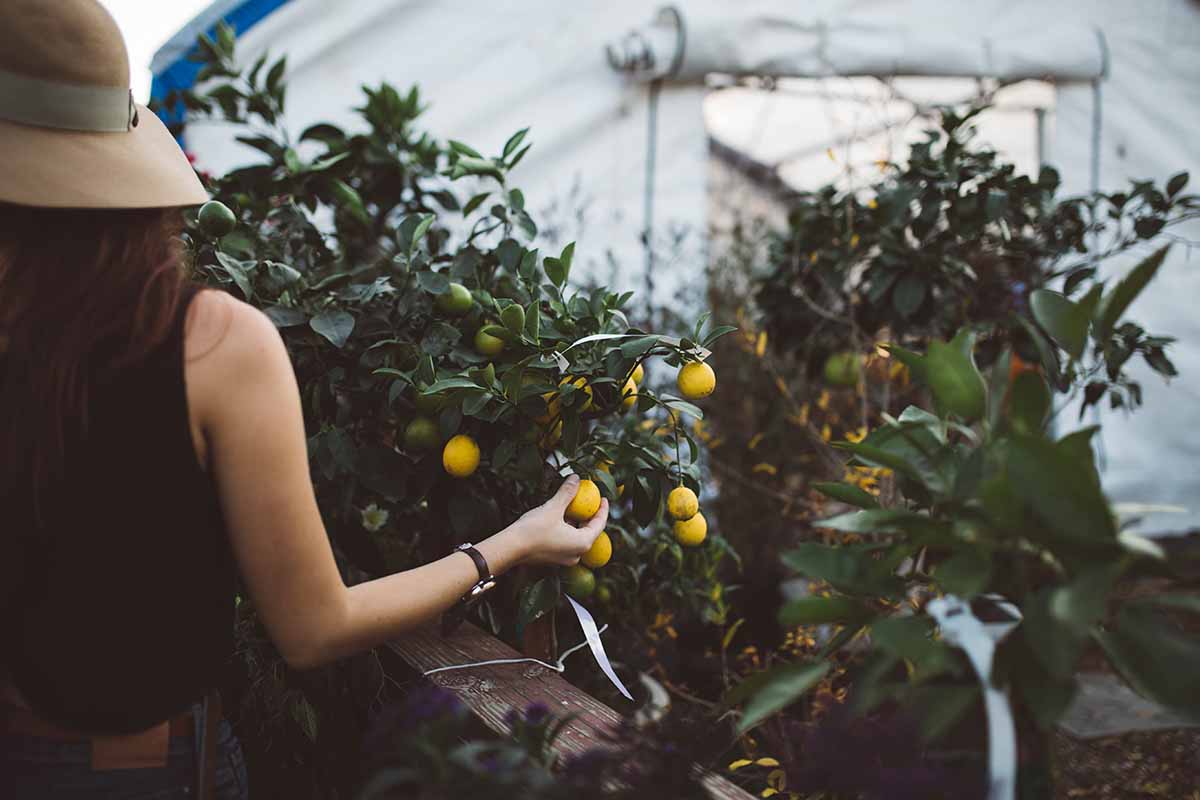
172	69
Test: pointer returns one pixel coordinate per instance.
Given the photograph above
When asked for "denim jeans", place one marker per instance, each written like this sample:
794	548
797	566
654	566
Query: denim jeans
41	769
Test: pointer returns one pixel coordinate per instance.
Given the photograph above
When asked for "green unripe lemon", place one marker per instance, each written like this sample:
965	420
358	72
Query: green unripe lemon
456	301
216	219
579	582
842	369
487	344
421	434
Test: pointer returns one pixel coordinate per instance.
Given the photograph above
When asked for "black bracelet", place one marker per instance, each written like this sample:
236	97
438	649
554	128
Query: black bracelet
455	615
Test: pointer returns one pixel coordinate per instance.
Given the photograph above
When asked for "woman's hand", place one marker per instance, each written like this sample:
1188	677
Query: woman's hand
546	535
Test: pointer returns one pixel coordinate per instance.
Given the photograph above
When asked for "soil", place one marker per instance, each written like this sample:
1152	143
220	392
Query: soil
1148	765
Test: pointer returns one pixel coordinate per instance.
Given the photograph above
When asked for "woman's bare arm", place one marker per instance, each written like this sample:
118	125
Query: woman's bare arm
245	405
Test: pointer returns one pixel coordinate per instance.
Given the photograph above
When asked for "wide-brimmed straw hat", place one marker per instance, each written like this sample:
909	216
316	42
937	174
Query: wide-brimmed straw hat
71	135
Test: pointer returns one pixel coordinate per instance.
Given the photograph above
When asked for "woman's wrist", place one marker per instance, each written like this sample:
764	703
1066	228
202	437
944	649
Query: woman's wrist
506	549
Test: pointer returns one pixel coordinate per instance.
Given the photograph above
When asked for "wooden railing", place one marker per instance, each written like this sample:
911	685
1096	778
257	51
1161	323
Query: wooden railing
490	692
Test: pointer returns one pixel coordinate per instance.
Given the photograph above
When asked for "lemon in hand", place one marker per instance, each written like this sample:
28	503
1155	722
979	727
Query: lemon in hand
696	380
682	503
585	503
691	532
599	553
460	456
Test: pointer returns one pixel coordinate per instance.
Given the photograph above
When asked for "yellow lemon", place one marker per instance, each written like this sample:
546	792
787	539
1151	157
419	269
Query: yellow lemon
691	532
581	384
585	503
696	380
682	503
599	553
460	456
638	373
629	394
549	439
620	490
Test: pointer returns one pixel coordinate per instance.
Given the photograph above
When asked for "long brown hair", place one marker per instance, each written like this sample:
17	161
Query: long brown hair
81	290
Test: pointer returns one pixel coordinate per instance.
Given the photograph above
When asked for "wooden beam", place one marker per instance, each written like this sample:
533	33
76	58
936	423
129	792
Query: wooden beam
490	692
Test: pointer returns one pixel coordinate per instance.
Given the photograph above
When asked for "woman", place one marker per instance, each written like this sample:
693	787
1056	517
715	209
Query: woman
151	443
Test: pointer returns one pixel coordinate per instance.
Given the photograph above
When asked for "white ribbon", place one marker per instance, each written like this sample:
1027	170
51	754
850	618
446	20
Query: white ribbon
964	630
563	365
592	635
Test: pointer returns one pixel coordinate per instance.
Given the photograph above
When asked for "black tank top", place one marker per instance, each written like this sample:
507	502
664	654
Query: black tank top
124	611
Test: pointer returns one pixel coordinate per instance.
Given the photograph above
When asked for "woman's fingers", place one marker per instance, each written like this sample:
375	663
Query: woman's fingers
566	492
596	524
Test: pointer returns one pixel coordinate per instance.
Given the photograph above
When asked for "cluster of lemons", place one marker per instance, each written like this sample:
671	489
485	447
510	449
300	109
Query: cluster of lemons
461	455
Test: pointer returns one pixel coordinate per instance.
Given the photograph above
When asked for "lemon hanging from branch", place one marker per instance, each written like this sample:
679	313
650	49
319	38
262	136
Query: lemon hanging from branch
460	456
696	380
682	503
691	532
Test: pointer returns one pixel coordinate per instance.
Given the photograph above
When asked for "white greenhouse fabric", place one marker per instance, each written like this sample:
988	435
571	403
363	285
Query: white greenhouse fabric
490	69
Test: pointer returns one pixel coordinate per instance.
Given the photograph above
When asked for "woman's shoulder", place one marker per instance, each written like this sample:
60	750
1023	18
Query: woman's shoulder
221	328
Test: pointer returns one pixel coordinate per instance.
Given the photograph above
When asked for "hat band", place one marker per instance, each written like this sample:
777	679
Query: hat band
68	106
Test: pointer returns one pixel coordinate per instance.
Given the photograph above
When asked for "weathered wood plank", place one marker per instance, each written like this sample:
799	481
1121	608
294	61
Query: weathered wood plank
492	691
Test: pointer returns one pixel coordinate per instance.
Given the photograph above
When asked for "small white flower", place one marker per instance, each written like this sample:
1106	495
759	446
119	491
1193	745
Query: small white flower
374	517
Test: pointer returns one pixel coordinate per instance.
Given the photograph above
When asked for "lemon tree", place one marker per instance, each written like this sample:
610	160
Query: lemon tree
451	370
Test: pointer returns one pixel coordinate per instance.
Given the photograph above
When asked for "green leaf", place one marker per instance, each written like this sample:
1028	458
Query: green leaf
566	257
514	142
462	149
814	610
1029	405
880	520
535	601
682	406
445	384
1060	489
1156	659
781	687
909	294
240	272
336	326
846	493
433	282
420	231
966	573
952	377
1176	183
513	317
878	457
848	568
1065	320
1117	301
555	270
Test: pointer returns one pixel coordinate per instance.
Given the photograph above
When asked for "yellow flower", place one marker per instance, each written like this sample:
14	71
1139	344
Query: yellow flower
823	400
767	762
770	469
826	432
854	241
769	792
753	443
812	259
857	436
872	203
741	762
761	346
